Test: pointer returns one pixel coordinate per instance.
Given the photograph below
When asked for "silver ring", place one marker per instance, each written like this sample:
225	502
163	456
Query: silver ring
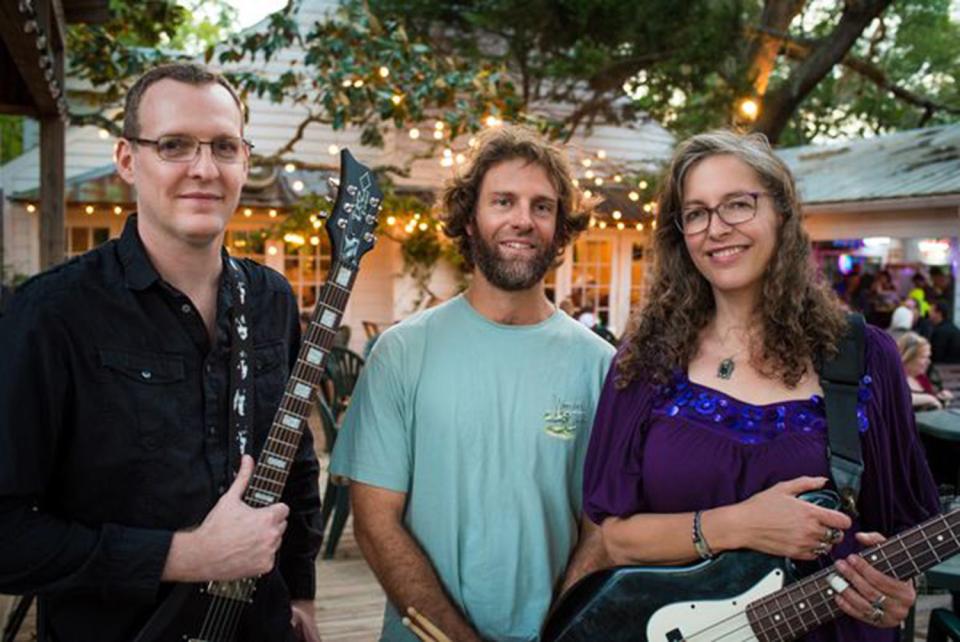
820	549
835	535
876	616
877	604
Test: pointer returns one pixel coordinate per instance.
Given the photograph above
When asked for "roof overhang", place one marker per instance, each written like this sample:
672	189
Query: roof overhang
32	41
885	205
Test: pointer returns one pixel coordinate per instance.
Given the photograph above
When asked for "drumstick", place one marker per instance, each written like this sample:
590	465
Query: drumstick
417	631
425	622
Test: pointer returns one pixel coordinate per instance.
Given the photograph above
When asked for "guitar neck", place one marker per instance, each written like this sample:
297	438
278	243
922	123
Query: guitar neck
808	603
280	449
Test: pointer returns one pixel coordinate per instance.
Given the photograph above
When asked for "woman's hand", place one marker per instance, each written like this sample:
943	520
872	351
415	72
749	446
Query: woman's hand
777	523
926	401
877	599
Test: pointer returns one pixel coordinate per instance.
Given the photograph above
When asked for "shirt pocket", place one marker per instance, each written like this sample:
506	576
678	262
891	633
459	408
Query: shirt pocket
147	387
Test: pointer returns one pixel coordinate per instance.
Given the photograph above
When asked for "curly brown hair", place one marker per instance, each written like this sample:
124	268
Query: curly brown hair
505	143
801	319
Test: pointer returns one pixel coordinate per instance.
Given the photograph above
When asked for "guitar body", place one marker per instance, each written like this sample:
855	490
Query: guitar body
666	604
190	614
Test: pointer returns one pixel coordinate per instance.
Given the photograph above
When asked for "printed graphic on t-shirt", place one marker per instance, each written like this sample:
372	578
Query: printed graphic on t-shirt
564	419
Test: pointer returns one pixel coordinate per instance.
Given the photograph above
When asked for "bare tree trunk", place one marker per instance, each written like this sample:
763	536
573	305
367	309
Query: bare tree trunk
782	102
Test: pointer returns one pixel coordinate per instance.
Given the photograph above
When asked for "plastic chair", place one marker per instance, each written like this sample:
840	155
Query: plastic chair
944	625
336	497
343	370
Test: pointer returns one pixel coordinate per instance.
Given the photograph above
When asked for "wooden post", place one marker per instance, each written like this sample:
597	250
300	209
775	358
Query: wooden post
52	205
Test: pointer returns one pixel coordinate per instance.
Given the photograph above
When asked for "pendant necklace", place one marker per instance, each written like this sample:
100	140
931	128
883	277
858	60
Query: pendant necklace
726	367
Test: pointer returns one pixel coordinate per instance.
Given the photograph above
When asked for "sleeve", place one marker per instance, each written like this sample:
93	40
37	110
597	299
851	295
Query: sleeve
301	541
38	549
897	489
374	445
613	469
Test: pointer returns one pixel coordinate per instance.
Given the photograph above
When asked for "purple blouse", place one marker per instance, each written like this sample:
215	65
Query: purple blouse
683	447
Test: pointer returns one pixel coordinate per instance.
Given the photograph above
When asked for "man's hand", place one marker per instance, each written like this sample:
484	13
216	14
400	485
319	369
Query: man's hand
303	620
234	541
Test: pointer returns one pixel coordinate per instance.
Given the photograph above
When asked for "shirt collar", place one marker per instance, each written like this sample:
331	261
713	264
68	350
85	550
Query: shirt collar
139	273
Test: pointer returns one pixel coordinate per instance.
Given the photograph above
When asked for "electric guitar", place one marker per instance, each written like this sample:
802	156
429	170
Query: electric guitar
213	611
736	597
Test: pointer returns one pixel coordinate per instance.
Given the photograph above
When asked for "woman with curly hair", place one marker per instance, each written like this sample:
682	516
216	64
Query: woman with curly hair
712	418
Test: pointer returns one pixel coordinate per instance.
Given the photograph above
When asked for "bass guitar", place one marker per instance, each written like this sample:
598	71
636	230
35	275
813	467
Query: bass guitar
212	611
739	596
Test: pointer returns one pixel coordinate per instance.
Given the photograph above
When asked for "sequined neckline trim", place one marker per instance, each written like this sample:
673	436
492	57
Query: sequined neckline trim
746	422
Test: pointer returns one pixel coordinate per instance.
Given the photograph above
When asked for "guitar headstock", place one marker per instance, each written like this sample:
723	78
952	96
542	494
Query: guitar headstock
354	216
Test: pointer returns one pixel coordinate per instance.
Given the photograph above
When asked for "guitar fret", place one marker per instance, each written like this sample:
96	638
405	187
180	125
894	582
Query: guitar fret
295	405
950	530
289	436
273	462
267	480
285	444
909	556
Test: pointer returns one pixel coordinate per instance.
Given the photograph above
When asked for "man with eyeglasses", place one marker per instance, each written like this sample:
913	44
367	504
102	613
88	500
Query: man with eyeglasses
136	382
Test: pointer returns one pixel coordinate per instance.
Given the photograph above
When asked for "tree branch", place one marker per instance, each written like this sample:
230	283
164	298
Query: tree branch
781	103
799	49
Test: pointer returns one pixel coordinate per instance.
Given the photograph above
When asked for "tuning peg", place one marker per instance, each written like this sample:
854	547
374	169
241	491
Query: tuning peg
348	207
333	184
374	201
371	219
342	223
369	237
352	190
323	213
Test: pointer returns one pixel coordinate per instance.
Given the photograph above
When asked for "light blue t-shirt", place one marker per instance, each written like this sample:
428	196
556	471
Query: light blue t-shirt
485	427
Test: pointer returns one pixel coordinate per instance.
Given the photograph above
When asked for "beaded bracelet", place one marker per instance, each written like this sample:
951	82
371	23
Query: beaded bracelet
699	541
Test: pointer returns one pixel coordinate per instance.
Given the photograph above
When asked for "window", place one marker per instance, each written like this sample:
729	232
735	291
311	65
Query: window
306	267
83	239
591	276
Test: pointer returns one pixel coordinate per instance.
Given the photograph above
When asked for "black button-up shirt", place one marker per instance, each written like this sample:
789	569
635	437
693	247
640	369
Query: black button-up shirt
114	432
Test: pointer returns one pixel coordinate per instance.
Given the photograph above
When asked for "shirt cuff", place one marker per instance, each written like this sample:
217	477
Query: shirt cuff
134	559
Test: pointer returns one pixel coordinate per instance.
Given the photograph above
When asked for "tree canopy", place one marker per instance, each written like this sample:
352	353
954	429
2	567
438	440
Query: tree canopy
809	69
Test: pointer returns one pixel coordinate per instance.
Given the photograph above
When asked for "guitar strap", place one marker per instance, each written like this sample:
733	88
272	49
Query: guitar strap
840	380
241	367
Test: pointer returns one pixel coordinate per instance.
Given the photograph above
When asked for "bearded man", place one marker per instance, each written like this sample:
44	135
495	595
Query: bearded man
465	437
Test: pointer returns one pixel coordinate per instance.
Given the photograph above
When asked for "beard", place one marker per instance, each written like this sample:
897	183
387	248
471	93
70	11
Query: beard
511	275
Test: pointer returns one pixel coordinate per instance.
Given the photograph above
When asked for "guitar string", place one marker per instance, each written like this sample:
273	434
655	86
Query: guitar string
788	621
819	594
228	612
216	608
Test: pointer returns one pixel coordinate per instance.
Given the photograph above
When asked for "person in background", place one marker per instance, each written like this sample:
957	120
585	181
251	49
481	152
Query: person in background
945	337
915	354
904	317
941	287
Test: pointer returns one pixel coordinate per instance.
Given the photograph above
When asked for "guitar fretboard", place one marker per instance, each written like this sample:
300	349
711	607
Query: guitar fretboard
289	422
810	602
